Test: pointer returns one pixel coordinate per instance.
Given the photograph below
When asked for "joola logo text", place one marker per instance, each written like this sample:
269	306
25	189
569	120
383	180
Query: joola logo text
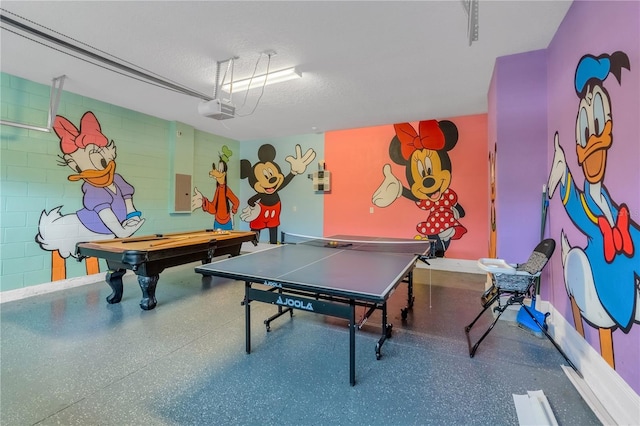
273	284
294	303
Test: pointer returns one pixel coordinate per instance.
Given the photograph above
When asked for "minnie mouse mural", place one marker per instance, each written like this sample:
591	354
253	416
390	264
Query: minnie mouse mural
424	154
108	208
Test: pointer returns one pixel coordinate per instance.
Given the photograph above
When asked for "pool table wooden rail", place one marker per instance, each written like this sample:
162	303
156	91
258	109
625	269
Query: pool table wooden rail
147	256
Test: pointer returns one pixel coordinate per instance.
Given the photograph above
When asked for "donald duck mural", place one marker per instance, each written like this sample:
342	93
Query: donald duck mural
602	279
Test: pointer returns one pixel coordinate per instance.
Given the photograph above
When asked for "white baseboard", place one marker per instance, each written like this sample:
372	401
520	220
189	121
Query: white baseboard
36	290
453	265
615	396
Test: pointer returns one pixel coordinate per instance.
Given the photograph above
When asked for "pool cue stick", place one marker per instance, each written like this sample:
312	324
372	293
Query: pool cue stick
178	239
140	240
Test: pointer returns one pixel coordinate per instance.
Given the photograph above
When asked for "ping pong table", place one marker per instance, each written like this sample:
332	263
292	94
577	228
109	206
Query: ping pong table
328	276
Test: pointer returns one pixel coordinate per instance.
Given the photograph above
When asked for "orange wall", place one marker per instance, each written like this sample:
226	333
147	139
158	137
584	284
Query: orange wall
355	159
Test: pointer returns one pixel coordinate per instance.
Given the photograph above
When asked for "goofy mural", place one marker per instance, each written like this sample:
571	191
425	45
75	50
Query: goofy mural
601	279
108	208
224	203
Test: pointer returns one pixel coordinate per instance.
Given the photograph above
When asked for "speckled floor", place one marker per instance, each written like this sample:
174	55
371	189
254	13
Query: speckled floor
69	358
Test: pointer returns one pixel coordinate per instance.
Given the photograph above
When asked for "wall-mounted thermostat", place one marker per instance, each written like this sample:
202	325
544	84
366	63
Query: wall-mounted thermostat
322	181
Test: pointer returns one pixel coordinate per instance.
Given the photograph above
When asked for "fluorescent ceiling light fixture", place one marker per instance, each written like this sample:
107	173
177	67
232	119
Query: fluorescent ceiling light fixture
263	80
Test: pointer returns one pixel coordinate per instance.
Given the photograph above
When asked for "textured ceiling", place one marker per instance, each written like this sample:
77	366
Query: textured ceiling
363	63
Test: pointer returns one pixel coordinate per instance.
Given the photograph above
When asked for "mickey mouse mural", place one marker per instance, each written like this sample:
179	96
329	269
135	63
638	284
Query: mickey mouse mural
267	179
425	157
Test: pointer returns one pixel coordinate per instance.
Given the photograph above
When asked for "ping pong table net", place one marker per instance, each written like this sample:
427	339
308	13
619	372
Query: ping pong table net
362	243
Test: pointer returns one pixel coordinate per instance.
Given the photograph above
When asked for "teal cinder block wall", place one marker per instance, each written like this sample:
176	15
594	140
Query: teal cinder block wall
33	182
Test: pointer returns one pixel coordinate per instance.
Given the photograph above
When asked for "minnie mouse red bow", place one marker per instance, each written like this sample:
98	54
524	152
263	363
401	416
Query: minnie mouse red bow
430	137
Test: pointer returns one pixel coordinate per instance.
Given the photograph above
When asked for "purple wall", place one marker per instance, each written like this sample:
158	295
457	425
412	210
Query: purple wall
598	27
531	97
521	170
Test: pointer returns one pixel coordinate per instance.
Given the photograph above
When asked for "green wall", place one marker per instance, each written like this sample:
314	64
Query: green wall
32	181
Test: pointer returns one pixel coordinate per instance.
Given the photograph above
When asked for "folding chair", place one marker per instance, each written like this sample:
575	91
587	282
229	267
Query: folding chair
516	282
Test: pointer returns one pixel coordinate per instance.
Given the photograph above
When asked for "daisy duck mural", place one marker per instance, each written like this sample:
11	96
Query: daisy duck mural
602	278
424	155
224	203
108	209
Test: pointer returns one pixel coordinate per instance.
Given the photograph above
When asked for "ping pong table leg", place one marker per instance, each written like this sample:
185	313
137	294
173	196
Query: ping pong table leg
405	311
247	316
386	331
352	344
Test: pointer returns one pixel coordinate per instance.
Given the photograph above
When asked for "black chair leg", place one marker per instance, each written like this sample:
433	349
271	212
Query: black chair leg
487	300
485	305
467	328
500	310
472	350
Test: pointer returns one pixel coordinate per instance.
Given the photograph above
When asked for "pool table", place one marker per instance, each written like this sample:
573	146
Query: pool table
147	256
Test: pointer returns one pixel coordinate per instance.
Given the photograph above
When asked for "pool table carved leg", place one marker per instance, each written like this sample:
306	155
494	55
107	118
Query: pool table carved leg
148	287
114	279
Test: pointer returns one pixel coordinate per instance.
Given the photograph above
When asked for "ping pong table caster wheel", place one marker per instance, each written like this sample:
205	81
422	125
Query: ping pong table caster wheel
378	354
